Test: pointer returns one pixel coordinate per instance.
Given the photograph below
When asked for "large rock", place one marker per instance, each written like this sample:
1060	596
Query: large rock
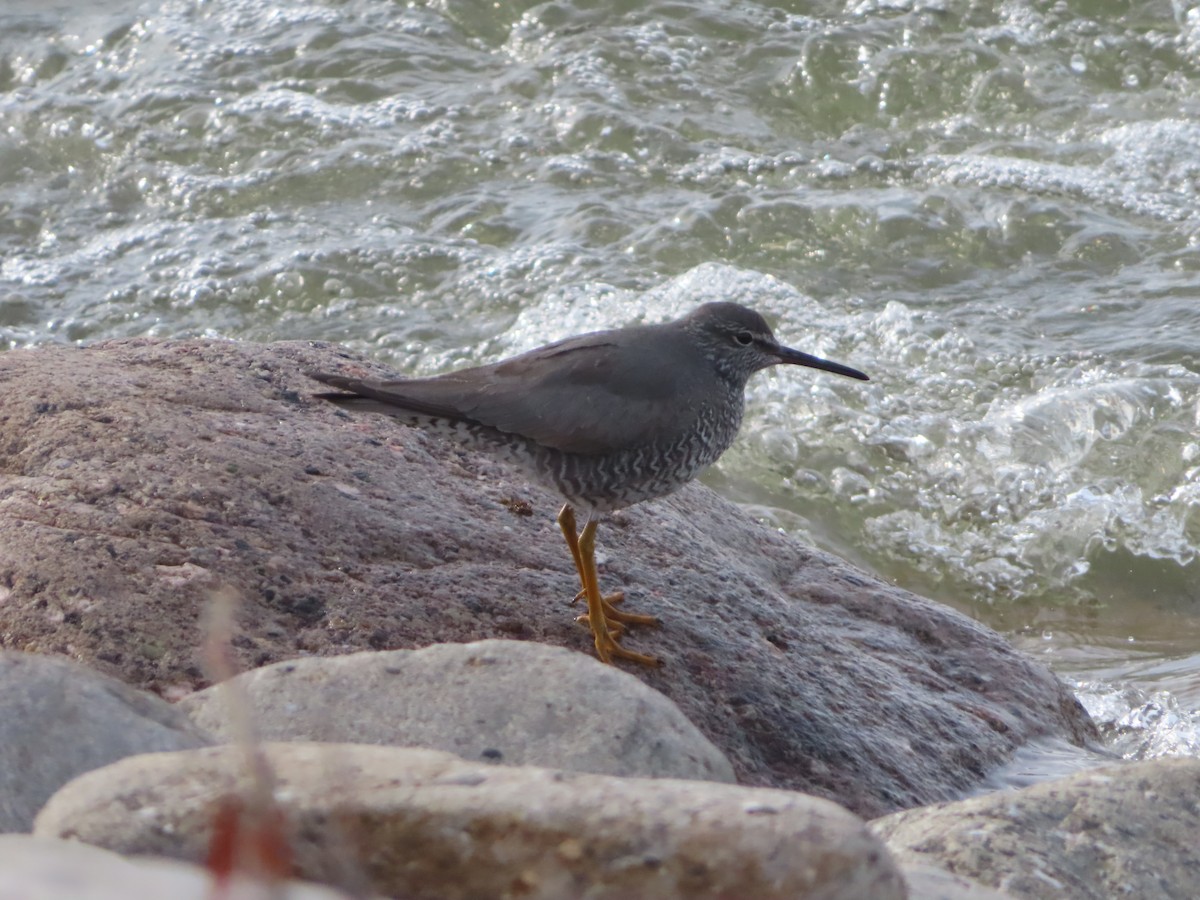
425	824
34	868
1121	831
138	477
513	702
925	882
59	720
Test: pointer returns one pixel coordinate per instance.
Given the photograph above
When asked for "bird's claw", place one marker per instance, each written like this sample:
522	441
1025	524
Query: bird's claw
609	599
612	626
607	648
613	615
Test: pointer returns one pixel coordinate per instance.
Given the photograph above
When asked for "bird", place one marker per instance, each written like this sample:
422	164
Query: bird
605	419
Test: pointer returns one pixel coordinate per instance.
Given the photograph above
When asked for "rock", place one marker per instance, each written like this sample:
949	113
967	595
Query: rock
511	702
34	868
1121	831
58	720
141	476
931	883
425	824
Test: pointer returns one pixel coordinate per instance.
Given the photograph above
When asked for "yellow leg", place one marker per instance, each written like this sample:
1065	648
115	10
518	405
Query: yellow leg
606	628
566	521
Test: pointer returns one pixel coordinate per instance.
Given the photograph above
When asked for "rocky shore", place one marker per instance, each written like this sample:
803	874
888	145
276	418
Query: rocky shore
424	710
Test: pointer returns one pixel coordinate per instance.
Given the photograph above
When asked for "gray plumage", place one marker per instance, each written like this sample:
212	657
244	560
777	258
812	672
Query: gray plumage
608	419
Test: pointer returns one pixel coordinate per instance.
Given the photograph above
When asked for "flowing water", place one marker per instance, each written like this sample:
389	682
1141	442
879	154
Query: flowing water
994	209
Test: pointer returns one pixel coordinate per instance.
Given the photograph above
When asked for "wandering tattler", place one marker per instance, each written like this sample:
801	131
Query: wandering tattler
607	419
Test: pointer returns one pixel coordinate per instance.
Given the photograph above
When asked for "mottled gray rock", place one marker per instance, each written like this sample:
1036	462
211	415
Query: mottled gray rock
511	702
38	868
1121	831
137	477
58	720
425	824
926	882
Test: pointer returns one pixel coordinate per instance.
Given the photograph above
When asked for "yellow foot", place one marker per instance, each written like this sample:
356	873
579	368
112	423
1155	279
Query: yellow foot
607	649
612	614
616	629
603	618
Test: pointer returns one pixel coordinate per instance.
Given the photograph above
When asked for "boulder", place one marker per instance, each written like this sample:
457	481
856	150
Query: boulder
139	477
925	882
511	702
1120	831
59	719
34	868
425	824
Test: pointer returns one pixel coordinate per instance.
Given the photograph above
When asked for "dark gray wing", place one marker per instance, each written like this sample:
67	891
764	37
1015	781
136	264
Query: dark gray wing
590	394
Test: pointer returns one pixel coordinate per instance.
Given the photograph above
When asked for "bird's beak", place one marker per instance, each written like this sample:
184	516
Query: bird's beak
796	358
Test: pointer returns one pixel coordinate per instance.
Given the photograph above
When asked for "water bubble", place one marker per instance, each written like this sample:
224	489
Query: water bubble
289	284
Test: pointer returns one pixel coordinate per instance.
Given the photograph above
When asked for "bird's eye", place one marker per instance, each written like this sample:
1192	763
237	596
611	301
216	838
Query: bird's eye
744	338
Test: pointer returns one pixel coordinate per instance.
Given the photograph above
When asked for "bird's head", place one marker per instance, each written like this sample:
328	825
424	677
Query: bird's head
740	342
